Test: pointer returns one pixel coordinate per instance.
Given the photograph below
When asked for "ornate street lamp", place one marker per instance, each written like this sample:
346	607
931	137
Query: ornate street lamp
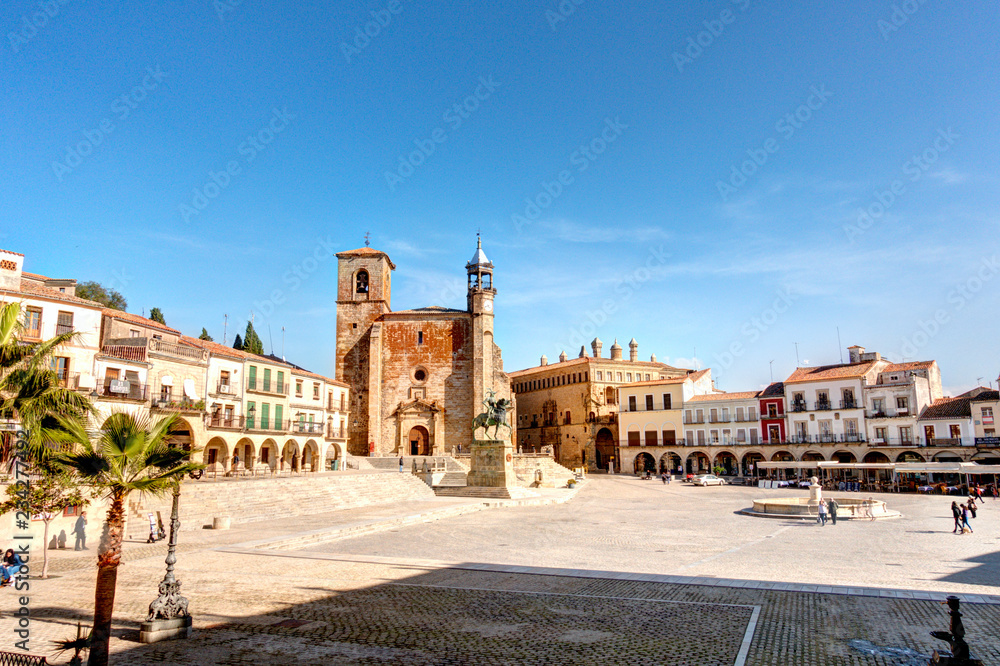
168	614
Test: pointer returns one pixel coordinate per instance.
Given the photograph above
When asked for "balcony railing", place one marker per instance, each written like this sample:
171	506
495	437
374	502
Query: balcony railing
177	351
798	407
126	352
849	404
266	386
693	420
225	388
183	405
64	328
751	417
888	414
825	439
32	333
718	419
70	380
823	406
123	390
308	427
268	425
335	433
221	421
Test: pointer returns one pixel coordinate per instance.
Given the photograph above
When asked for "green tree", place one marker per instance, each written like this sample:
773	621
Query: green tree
130	454
156	315
52	490
204	335
106	296
31	392
238	342
251	341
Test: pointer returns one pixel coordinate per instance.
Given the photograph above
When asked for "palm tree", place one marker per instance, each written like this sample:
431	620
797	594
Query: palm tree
30	390
129	453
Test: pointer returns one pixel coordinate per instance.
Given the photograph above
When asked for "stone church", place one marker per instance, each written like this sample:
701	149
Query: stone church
418	377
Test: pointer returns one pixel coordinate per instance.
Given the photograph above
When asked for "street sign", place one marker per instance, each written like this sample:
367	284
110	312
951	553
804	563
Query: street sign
119	386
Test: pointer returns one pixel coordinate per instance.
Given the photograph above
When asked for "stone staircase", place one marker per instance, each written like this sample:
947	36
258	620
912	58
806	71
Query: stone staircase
553	474
252	500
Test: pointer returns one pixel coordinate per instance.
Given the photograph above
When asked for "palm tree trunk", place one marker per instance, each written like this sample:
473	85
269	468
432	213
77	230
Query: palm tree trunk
109	555
45	547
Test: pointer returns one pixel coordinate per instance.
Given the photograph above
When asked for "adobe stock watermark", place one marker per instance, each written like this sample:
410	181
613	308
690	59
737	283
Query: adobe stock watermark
365	32
32	23
580	159
563	10
786	126
295	276
249	149
625	287
899	17
914	169
703	39
223	7
754	327
454	116
958	297
121	108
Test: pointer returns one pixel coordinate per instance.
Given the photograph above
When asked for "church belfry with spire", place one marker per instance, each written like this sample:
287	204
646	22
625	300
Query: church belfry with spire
419	376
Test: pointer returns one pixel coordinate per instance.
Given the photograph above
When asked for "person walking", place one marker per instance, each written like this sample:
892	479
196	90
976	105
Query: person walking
80	530
957	515
833	506
821	513
400	464
965	519
972	507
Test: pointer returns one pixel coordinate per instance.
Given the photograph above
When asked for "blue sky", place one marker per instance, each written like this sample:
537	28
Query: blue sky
600	152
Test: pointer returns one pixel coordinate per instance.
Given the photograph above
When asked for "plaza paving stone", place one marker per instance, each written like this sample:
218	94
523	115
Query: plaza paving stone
388	599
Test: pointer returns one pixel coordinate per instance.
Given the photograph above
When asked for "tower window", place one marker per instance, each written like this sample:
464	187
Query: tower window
361	286
420	337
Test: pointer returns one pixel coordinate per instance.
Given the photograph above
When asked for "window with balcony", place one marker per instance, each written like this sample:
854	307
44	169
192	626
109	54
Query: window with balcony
902	404
739	414
713	415
166	392
631	403
848	399
298	388
987	415
751	413
955	431
64	323
651	438
600	376
880	434
619	376
822	400
649	403
714	435
878	406
267	379
701	438
265	415
906	435
315	391
667	401
772	411
699	416
33	323
725	415
633	438
754	437
280	386
689	438
628	376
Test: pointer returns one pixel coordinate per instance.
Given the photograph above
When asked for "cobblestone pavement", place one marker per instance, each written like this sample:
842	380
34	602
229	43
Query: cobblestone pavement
300	607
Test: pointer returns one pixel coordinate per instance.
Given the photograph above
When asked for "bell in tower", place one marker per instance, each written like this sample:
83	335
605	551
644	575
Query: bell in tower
481	291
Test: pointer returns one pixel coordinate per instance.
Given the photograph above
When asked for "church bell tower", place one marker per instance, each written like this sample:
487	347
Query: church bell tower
480	305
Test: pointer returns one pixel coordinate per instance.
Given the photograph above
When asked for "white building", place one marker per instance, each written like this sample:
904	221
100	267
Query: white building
901	391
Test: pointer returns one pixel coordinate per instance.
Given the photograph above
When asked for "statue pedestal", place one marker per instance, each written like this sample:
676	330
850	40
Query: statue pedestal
492	464
154	631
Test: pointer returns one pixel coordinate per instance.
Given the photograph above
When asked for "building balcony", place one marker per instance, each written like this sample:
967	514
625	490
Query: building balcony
691	420
849	404
888	414
798	407
32	334
220	422
62	329
257	424
176	351
718	419
68	380
335	433
226	388
826	439
122	390
132	352
749	418
184	405
258	385
823	406
308	427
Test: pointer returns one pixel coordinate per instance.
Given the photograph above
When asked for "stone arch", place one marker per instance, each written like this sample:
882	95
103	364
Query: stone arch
752	458
844	457
216	456
809	456
947	456
605	447
644	462
727	461
291	456
333	452
247	452
782	456
909	456
182	435
876	458
360	284
310	456
697	462
669	462
418	441
268	454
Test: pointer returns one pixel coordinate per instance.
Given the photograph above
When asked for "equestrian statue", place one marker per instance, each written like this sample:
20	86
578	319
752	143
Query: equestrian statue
495	415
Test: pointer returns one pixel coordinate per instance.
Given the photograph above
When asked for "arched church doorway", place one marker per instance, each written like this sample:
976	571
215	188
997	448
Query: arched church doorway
419	441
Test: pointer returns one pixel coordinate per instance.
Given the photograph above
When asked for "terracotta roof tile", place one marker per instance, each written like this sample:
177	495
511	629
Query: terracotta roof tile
214	347
29	289
831	372
367	252
12	252
949	408
911	365
34	276
137	319
987	396
774	390
641	366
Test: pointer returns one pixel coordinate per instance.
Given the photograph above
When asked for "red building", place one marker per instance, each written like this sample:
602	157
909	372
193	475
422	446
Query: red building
772	413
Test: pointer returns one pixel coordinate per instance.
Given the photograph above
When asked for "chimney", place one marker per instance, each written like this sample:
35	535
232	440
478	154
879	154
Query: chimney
10	270
854	353
616	351
652	358
633	351
596	345
583	351
544	361
562	357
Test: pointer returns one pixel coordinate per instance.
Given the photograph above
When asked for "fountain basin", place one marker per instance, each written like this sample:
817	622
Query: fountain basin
804	508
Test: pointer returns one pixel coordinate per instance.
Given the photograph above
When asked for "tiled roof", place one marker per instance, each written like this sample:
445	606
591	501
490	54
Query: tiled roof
912	365
430	310
948	408
34	276
367	252
987	396
214	347
774	390
658	382
715	397
599	361
12	252
29	288
136	319
831	372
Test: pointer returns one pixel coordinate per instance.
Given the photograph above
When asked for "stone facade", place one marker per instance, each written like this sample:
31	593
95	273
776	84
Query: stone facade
419	376
571	406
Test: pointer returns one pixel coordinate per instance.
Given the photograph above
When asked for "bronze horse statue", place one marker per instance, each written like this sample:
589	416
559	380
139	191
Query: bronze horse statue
495	416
